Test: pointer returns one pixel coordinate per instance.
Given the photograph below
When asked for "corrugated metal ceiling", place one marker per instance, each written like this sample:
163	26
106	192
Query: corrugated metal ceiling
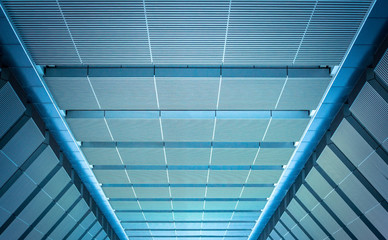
261	33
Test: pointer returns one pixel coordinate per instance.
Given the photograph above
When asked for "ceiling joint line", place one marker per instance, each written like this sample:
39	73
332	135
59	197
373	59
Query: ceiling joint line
242	191
211	146
226	32
94	93
164	147
148	31
68	30
305	31
281	93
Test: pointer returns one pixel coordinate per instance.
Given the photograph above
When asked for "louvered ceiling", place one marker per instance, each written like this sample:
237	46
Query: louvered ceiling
187	152
192	152
261	33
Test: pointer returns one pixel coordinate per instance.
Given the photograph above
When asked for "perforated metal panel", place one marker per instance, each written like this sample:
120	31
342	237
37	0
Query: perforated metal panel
250	94
11	105
240	130
188	93
287	130
381	68
143	60
342	193
371	109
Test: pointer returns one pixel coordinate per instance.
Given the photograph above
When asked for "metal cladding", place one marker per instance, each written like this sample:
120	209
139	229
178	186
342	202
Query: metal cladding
40	194
192	119
342	191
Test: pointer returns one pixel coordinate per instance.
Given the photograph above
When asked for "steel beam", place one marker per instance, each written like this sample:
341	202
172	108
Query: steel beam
77	224
186	199
349	202
188	114
188	144
48	208
87	230
29	198
298	223
360	177
187	211
328	234
65	214
193	221
188	167
278	233
22	168
288	230
190	185
328	209
188	71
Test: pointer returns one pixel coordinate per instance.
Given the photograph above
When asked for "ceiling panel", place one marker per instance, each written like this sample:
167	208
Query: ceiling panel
250	94
286	130
101	156
274	156
240	130
371	109
125	205
223	192
374	169
228	176
152	192
188	93
233	156
147	176
89	129
182	192
357	149
124	93
81	96
257	192
127	130
118	192
187	205
111	176
188	156
142	156
188	130
163	71
264	176
188	176
14	110
302	93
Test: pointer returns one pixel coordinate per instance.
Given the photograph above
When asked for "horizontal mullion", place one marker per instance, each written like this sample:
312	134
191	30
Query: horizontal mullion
187	211
187	145
186	229
185	199
188	185
210	71
188	114
191	236
192	221
187	167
